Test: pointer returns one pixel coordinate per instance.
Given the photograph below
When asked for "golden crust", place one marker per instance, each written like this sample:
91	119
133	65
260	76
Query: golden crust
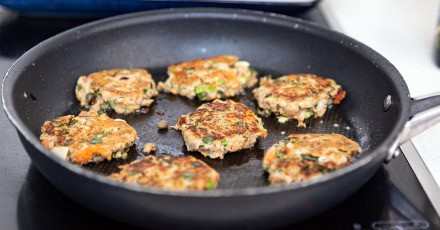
298	96
171	173
303	156
123	90
89	137
220	127
209	78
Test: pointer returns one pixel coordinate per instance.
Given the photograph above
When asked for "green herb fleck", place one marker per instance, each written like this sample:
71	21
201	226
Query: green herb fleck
224	143
189	68
280	154
111	103
207	139
72	122
113	154
78	87
98	133
197	122
188	176
97	92
222	82
145	91
308	157
101	111
94	141
211	185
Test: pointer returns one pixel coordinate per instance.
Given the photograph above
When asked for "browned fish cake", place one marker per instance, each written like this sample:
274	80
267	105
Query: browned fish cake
123	90
303	156
171	173
298	96
210	78
219	127
88	137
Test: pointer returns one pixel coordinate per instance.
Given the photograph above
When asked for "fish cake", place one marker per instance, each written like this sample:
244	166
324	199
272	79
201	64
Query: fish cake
297	96
303	156
170	173
219	127
88	137
123	90
210	78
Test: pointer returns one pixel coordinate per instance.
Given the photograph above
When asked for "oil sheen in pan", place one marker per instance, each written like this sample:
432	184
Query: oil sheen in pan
238	169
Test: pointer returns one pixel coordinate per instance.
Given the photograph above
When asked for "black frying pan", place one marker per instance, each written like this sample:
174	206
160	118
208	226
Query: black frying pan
40	86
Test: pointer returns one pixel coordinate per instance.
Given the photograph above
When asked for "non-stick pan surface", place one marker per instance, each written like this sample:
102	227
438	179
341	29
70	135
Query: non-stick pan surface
239	169
40	86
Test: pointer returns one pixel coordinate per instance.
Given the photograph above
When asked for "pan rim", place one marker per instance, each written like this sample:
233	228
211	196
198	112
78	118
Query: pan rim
239	14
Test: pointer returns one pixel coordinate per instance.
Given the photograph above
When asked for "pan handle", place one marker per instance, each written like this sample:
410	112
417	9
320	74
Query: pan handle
425	112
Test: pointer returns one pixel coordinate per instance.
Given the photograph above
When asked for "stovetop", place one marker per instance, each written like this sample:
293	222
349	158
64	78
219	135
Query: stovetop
392	199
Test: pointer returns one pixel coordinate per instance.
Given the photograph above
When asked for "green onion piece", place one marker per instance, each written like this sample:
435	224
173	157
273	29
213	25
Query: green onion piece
202	95
188	176
78	87
95	141
211	185
308	157
197	122
72	122
110	103
202	91
224	143
280	154
222	82
97	92
207	139
309	114
101	111
282	119
243	78
98	133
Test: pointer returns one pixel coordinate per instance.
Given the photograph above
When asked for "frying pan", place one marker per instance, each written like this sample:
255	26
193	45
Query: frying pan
378	112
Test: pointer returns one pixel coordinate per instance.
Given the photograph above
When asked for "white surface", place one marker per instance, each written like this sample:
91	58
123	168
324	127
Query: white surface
403	31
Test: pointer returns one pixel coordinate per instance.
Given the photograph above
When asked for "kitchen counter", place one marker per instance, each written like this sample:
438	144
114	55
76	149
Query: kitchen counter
403	32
